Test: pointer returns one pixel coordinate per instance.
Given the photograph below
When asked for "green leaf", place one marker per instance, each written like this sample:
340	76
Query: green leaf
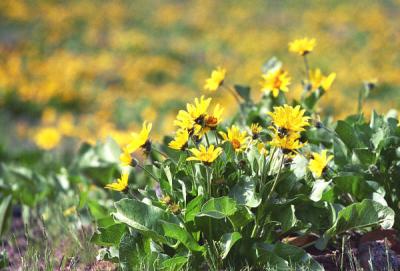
242	217
219	208
144	218
367	213
244	193
296	256
227	241
193	208
285	215
175	263
5	206
129	253
318	189
109	236
365	156
243	91
176	232
348	135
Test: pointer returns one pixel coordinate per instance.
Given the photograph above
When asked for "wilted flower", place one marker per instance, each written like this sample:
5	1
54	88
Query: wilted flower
216	79
319	162
275	81
302	46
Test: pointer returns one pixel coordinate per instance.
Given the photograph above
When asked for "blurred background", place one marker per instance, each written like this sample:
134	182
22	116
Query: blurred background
80	70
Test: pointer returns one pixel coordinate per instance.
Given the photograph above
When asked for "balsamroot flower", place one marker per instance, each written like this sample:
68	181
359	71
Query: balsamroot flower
212	120
126	157
216	79
275	81
141	140
319	80
289	143
180	141
302	46
47	138
120	184
318	163
287	119
207	156
236	138
255	130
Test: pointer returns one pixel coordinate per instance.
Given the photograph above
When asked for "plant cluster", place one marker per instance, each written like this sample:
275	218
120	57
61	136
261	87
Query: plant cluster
230	194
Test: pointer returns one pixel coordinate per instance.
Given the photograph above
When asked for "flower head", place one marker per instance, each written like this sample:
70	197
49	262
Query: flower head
319	80
255	130
275	81
140	140
193	119
287	119
319	162
120	184
288	144
125	158
216	79
207	156
302	46
236	138
262	148
180	141
212	120
47	138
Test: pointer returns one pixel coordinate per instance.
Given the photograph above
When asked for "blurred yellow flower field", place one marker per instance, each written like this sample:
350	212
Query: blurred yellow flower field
101	68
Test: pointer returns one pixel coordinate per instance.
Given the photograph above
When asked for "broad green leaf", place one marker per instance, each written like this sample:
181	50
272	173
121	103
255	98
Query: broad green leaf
348	135
193	208
244	193
175	263
109	236
176	232
297	256
318	189
367	213
219	208
365	156
241	217
129	254
5	205
285	215
227	241
144	218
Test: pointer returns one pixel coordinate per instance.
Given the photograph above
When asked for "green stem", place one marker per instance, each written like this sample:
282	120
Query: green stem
148	172
216	137
208	141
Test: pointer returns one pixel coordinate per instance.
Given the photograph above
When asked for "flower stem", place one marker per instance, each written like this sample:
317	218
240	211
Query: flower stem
148	172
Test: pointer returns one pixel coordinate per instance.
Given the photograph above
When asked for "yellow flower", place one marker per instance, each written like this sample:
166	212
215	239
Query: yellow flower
255	130
262	148
288	144
121	184
216	79
275	81
238	139
180	141
125	158
318	163
207	156
319	80
286	119
198	110
212	121
302	46
193	119
140	140
47	138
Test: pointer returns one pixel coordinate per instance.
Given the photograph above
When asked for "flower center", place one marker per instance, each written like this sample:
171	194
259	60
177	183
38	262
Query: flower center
211	121
235	143
277	83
